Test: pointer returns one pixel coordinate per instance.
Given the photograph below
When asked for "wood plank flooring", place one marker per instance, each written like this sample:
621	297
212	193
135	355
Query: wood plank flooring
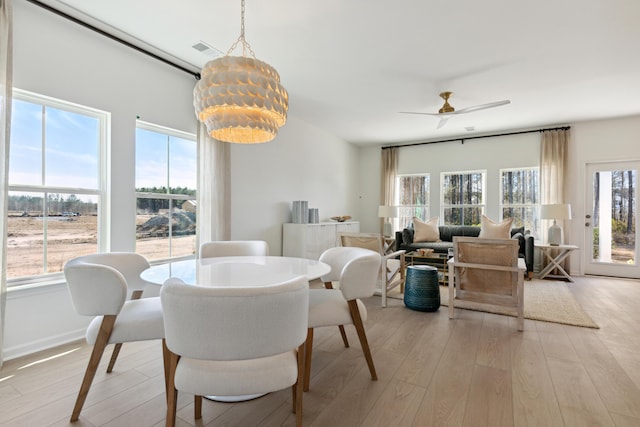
475	370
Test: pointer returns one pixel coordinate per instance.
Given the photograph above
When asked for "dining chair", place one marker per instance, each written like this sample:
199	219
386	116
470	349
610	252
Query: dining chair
234	248
356	269
232	341
130	265
392	265
101	291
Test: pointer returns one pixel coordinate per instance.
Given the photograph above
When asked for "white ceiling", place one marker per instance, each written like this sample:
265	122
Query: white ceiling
351	66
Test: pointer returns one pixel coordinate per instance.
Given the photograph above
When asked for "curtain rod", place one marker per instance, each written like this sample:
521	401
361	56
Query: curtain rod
476	137
113	37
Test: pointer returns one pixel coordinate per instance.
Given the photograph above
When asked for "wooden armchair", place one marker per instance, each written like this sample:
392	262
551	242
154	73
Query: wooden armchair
392	268
487	272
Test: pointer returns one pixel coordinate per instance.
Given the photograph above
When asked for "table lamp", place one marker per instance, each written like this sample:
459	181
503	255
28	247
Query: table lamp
559	211
387	212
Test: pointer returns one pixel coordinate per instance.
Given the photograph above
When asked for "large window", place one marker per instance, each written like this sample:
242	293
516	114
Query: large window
413	199
56	185
519	197
462	197
165	192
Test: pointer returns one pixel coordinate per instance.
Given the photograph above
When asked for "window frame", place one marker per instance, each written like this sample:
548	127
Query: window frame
170	197
443	205
101	192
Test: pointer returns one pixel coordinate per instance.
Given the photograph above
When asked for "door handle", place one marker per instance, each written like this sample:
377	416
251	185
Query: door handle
586	224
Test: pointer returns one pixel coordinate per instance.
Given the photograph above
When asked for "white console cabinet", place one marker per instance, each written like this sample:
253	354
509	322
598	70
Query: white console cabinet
310	240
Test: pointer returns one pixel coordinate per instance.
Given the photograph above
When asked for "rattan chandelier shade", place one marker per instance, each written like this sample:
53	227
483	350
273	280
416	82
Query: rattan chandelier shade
241	100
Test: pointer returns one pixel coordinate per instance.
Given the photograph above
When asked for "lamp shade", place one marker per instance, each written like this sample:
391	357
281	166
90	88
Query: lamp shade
241	100
558	211
387	211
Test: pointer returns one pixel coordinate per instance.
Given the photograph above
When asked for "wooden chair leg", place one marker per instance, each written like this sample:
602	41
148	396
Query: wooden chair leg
166	362
343	334
308	346
297	387
96	354
172	397
197	407
357	322
118	346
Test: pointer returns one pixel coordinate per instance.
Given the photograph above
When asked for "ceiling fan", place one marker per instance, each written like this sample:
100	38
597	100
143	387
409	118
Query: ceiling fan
447	110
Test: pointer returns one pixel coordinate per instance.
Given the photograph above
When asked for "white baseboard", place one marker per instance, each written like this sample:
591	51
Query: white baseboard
44	344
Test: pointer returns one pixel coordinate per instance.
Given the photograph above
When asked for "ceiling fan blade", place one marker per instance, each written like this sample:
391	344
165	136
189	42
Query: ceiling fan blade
481	107
443	121
425	114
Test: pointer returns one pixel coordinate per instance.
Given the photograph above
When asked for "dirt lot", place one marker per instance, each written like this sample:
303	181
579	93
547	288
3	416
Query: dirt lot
68	238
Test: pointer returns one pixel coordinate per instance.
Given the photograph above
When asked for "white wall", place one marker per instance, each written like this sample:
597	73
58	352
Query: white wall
302	163
74	64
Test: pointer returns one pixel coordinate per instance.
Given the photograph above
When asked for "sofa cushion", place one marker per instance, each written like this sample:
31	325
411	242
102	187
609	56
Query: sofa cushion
426	231
515	231
447	232
493	230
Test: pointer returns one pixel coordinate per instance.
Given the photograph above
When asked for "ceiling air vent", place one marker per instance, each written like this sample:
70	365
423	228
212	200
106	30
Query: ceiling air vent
206	49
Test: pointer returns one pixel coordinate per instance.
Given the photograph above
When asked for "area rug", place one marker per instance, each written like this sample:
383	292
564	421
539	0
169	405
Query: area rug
549	301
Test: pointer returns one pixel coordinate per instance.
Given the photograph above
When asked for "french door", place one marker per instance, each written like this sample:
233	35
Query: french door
611	221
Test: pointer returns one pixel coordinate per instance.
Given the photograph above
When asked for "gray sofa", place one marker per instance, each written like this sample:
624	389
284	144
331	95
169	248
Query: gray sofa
404	240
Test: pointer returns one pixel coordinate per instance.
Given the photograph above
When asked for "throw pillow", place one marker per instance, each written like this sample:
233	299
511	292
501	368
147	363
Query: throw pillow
426	231
407	236
491	230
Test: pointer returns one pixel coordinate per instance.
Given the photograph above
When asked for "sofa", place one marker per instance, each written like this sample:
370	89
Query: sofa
404	241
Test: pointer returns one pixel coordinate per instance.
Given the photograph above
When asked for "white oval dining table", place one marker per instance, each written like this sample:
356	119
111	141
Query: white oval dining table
240	271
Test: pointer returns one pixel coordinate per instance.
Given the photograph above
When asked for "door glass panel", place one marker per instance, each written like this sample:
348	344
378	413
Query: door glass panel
614	213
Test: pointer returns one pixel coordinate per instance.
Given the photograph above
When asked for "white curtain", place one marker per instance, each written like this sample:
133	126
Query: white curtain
214	188
553	166
6	71
389	170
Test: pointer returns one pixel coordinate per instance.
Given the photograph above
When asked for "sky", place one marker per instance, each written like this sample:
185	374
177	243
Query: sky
72	151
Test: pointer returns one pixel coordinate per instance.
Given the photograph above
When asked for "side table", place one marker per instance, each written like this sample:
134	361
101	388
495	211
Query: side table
554	262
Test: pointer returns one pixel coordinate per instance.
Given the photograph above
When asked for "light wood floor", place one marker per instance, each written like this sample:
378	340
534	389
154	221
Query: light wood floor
475	370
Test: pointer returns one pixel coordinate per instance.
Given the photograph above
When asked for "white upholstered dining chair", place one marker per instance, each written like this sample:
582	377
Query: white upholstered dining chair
101	291
130	265
234	248
231	341
356	270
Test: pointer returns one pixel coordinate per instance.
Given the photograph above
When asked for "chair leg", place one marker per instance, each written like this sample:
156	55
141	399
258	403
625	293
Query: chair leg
357	322
197	407
96	354
166	362
297	387
308	346
343	334
118	346
172	397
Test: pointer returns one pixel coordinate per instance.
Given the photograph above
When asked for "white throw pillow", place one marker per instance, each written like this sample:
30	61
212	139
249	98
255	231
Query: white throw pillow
426	231
491	230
